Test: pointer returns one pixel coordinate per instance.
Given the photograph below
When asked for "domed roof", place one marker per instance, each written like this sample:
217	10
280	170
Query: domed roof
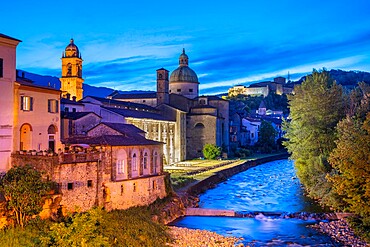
72	50
183	73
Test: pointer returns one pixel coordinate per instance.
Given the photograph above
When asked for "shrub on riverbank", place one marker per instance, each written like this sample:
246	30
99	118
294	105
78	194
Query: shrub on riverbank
181	181
132	227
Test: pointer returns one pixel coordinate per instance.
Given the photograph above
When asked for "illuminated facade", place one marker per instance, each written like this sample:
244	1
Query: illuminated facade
71	80
29	118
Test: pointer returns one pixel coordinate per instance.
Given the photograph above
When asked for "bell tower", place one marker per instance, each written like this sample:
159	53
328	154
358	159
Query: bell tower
71	80
162	87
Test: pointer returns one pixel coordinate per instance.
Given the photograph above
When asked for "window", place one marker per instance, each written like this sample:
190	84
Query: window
70	186
155	161
121	189
190	90
89	184
134	162
1	67
120	167
74	110
66	109
134	187
145	160
178	90
199	125
26	103
53	106
69	69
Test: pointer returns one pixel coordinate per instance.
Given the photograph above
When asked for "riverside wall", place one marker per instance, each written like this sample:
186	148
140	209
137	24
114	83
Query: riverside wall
178	203
223	175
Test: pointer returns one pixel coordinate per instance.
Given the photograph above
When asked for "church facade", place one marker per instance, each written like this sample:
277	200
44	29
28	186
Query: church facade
207	117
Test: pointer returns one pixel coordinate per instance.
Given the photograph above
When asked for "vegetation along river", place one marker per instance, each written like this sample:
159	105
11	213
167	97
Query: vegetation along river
261	191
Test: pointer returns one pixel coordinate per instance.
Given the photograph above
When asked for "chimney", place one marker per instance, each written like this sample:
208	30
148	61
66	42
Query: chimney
68	95
74	98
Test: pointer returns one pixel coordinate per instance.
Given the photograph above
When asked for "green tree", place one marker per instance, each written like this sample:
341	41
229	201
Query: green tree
23	189
351	159
315	109
82	229
211	152
266	138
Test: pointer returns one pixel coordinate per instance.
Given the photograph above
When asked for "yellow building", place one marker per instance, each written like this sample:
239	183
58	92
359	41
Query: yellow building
29	118
71	80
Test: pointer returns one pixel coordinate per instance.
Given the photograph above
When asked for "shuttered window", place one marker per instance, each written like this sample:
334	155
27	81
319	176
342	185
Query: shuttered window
26	103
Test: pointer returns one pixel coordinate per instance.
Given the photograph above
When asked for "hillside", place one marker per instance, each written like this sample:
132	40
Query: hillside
54	82
346	78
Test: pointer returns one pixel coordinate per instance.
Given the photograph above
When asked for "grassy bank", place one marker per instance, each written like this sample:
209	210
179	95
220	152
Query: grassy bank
185	174
132	227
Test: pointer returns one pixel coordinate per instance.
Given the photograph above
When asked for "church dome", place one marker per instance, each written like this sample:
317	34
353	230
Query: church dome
183	73
72	50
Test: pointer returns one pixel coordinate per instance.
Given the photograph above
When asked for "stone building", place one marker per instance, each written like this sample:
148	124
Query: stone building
205	119
125	162
113	166
278	86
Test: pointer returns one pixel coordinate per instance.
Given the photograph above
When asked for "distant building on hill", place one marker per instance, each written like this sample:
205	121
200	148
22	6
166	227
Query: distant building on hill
277	86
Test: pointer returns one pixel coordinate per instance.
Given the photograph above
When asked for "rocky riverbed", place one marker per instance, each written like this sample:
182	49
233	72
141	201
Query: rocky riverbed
340	231
184	237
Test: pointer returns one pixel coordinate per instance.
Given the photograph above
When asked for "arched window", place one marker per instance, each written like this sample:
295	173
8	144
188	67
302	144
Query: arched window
134	162
52	130
155	162
199	125
69	69
145	160
120	164
51	137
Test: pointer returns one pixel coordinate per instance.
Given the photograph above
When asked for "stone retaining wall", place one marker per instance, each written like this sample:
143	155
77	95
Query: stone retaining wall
223	175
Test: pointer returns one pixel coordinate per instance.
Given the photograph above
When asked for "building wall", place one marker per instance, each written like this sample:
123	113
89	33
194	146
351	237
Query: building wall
186	89
224	119
70	127
162	131
80	181
201	129
8	56
72	83
32	126
253	129
147	101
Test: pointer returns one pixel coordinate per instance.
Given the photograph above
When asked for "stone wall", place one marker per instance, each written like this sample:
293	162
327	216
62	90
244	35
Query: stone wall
222	175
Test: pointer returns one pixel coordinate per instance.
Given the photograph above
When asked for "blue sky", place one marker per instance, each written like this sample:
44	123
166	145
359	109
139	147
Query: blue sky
228	42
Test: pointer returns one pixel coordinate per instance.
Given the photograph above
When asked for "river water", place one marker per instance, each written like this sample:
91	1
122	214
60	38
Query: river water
267	188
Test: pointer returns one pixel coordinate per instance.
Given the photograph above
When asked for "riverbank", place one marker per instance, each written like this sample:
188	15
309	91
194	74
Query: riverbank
340	231
187	196
224	173
184	237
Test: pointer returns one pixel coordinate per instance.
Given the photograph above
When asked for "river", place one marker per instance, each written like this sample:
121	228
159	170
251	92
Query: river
270	187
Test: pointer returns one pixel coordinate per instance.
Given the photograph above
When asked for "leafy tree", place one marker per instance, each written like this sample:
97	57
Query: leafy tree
351	159
211	152
23	189
82	229
315	109
266	138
